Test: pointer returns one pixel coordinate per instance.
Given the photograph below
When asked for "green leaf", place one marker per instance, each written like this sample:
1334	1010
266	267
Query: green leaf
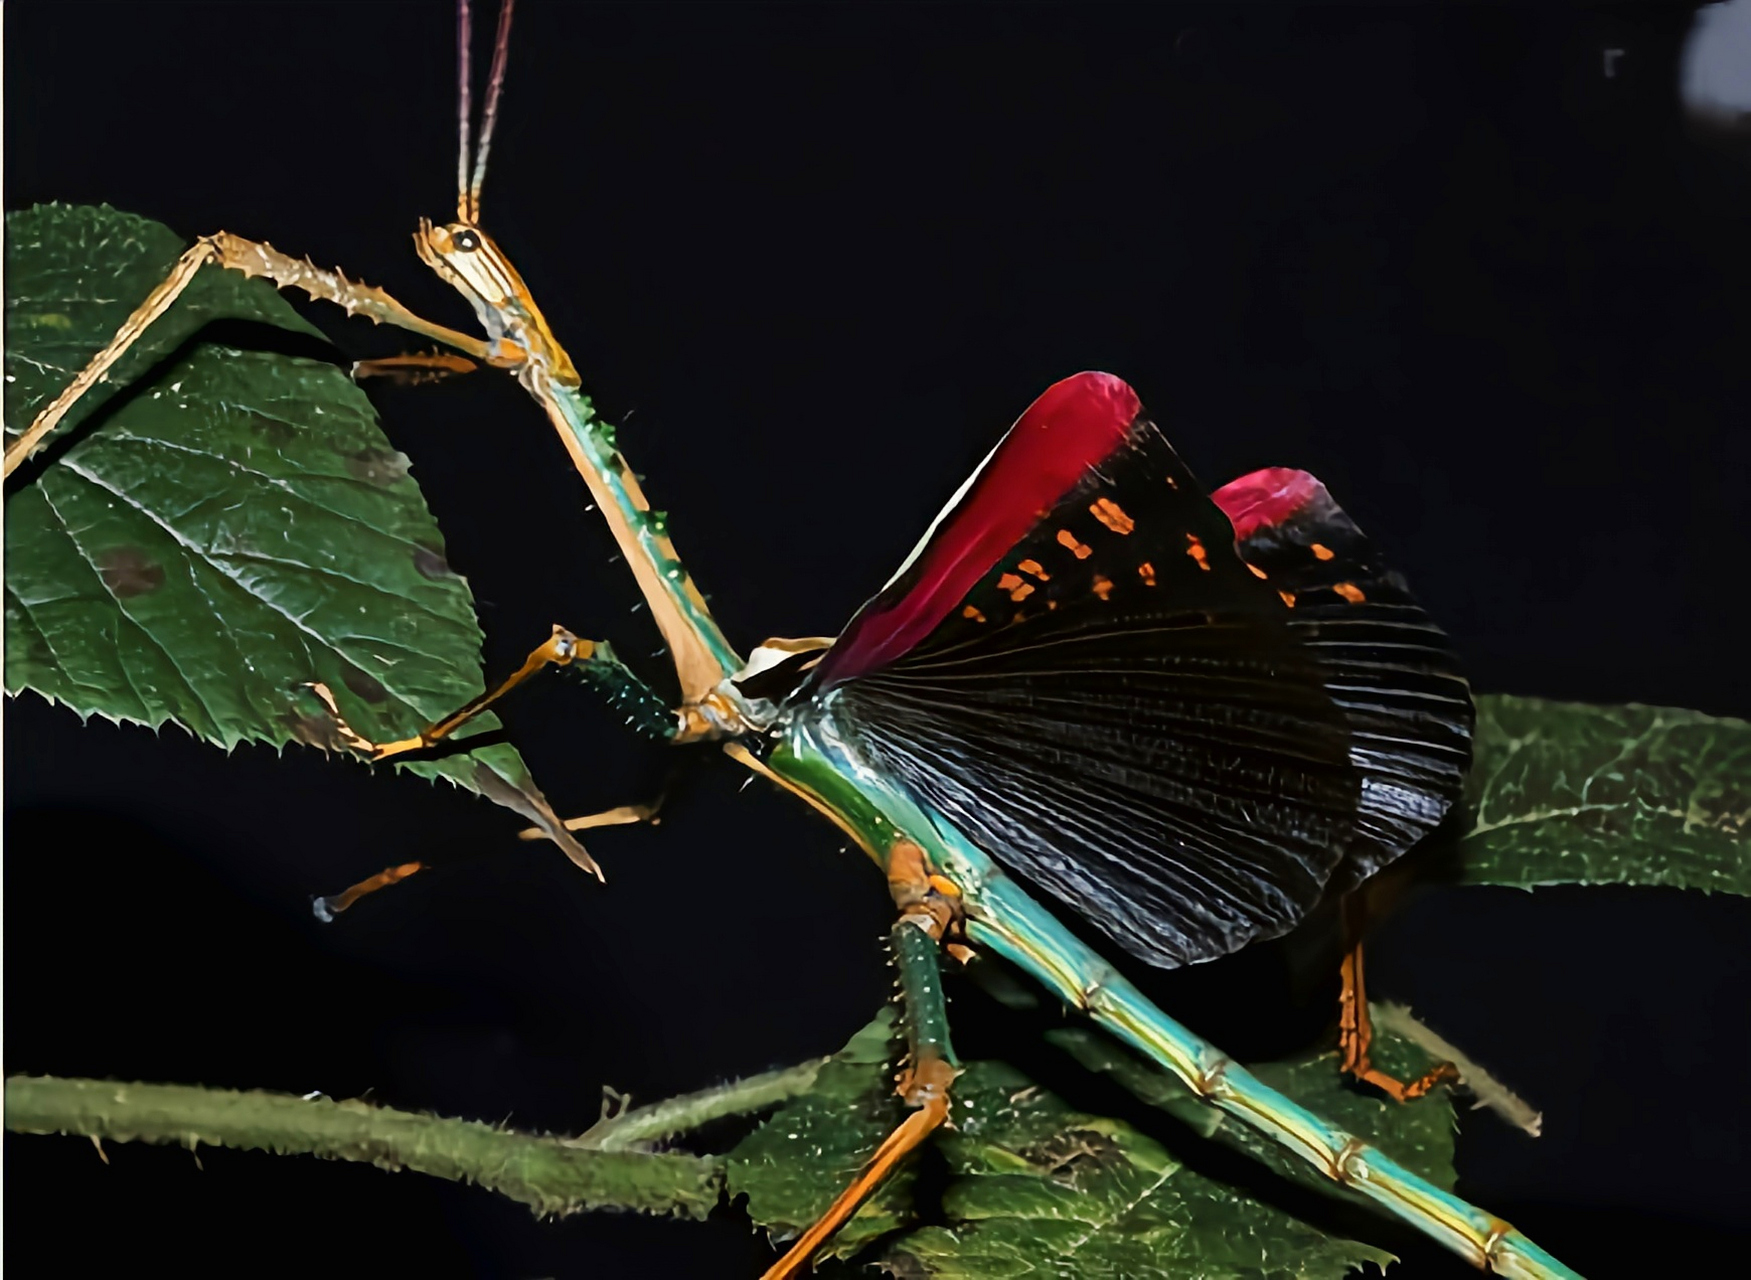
1565	793
794	1164
231	525
1037	1188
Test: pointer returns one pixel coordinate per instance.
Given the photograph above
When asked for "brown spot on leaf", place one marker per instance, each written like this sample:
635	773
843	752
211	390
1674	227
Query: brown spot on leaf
364	684
276	432
129	572
381	467
431	564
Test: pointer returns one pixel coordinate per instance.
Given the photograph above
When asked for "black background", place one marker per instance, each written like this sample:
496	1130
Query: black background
813	260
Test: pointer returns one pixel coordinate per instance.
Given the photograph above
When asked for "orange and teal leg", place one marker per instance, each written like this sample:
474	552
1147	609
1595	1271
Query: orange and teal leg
596	663
929	921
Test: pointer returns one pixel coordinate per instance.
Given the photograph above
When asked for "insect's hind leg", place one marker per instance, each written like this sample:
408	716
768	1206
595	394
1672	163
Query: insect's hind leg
1356	1024
929	916
251	258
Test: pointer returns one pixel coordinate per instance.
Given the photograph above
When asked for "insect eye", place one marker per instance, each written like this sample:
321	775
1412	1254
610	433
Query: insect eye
466	240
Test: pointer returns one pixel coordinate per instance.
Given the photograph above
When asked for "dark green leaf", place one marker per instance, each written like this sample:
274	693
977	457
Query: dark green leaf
1041	1189
1565	793
1037	1188
792	1166
234	525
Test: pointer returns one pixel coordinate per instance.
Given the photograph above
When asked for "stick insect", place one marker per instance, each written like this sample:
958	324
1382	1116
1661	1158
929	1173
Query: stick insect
944	883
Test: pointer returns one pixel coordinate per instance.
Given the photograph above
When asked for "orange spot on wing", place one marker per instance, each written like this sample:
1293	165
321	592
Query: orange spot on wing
974	614
1146	571
1256	571
1172	483
1195	549
1322	552
1022	592
1008	582
1036	568
1081	550
1103	585
1350	591
1112	515
1288	598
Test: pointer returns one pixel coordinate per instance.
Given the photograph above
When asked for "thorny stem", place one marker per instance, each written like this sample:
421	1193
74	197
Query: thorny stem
673	1117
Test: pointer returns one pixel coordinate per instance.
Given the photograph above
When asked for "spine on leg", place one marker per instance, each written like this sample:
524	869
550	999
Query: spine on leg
645	712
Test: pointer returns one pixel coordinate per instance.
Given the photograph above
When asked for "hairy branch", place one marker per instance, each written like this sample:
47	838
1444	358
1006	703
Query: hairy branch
550	1175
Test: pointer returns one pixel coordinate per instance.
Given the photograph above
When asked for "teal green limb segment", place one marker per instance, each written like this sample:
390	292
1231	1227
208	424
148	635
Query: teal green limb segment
1006	921
817	757
621	687
918	957
644	539
548	1174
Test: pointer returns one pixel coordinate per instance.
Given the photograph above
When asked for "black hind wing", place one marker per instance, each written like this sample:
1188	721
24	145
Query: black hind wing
1385	664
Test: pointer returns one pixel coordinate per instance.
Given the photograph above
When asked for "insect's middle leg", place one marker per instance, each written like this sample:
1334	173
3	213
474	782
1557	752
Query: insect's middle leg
930	915
599	665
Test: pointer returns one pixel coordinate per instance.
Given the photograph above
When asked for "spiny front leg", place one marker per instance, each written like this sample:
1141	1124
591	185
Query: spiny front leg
251	258
929	914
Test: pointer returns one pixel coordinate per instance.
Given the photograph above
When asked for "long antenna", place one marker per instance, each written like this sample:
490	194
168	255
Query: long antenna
464	106
495	88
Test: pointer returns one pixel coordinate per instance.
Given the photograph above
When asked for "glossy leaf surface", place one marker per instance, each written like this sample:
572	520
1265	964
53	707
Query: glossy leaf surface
1568	793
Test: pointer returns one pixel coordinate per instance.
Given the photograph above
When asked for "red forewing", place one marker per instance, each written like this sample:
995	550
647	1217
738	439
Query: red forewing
1070	428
